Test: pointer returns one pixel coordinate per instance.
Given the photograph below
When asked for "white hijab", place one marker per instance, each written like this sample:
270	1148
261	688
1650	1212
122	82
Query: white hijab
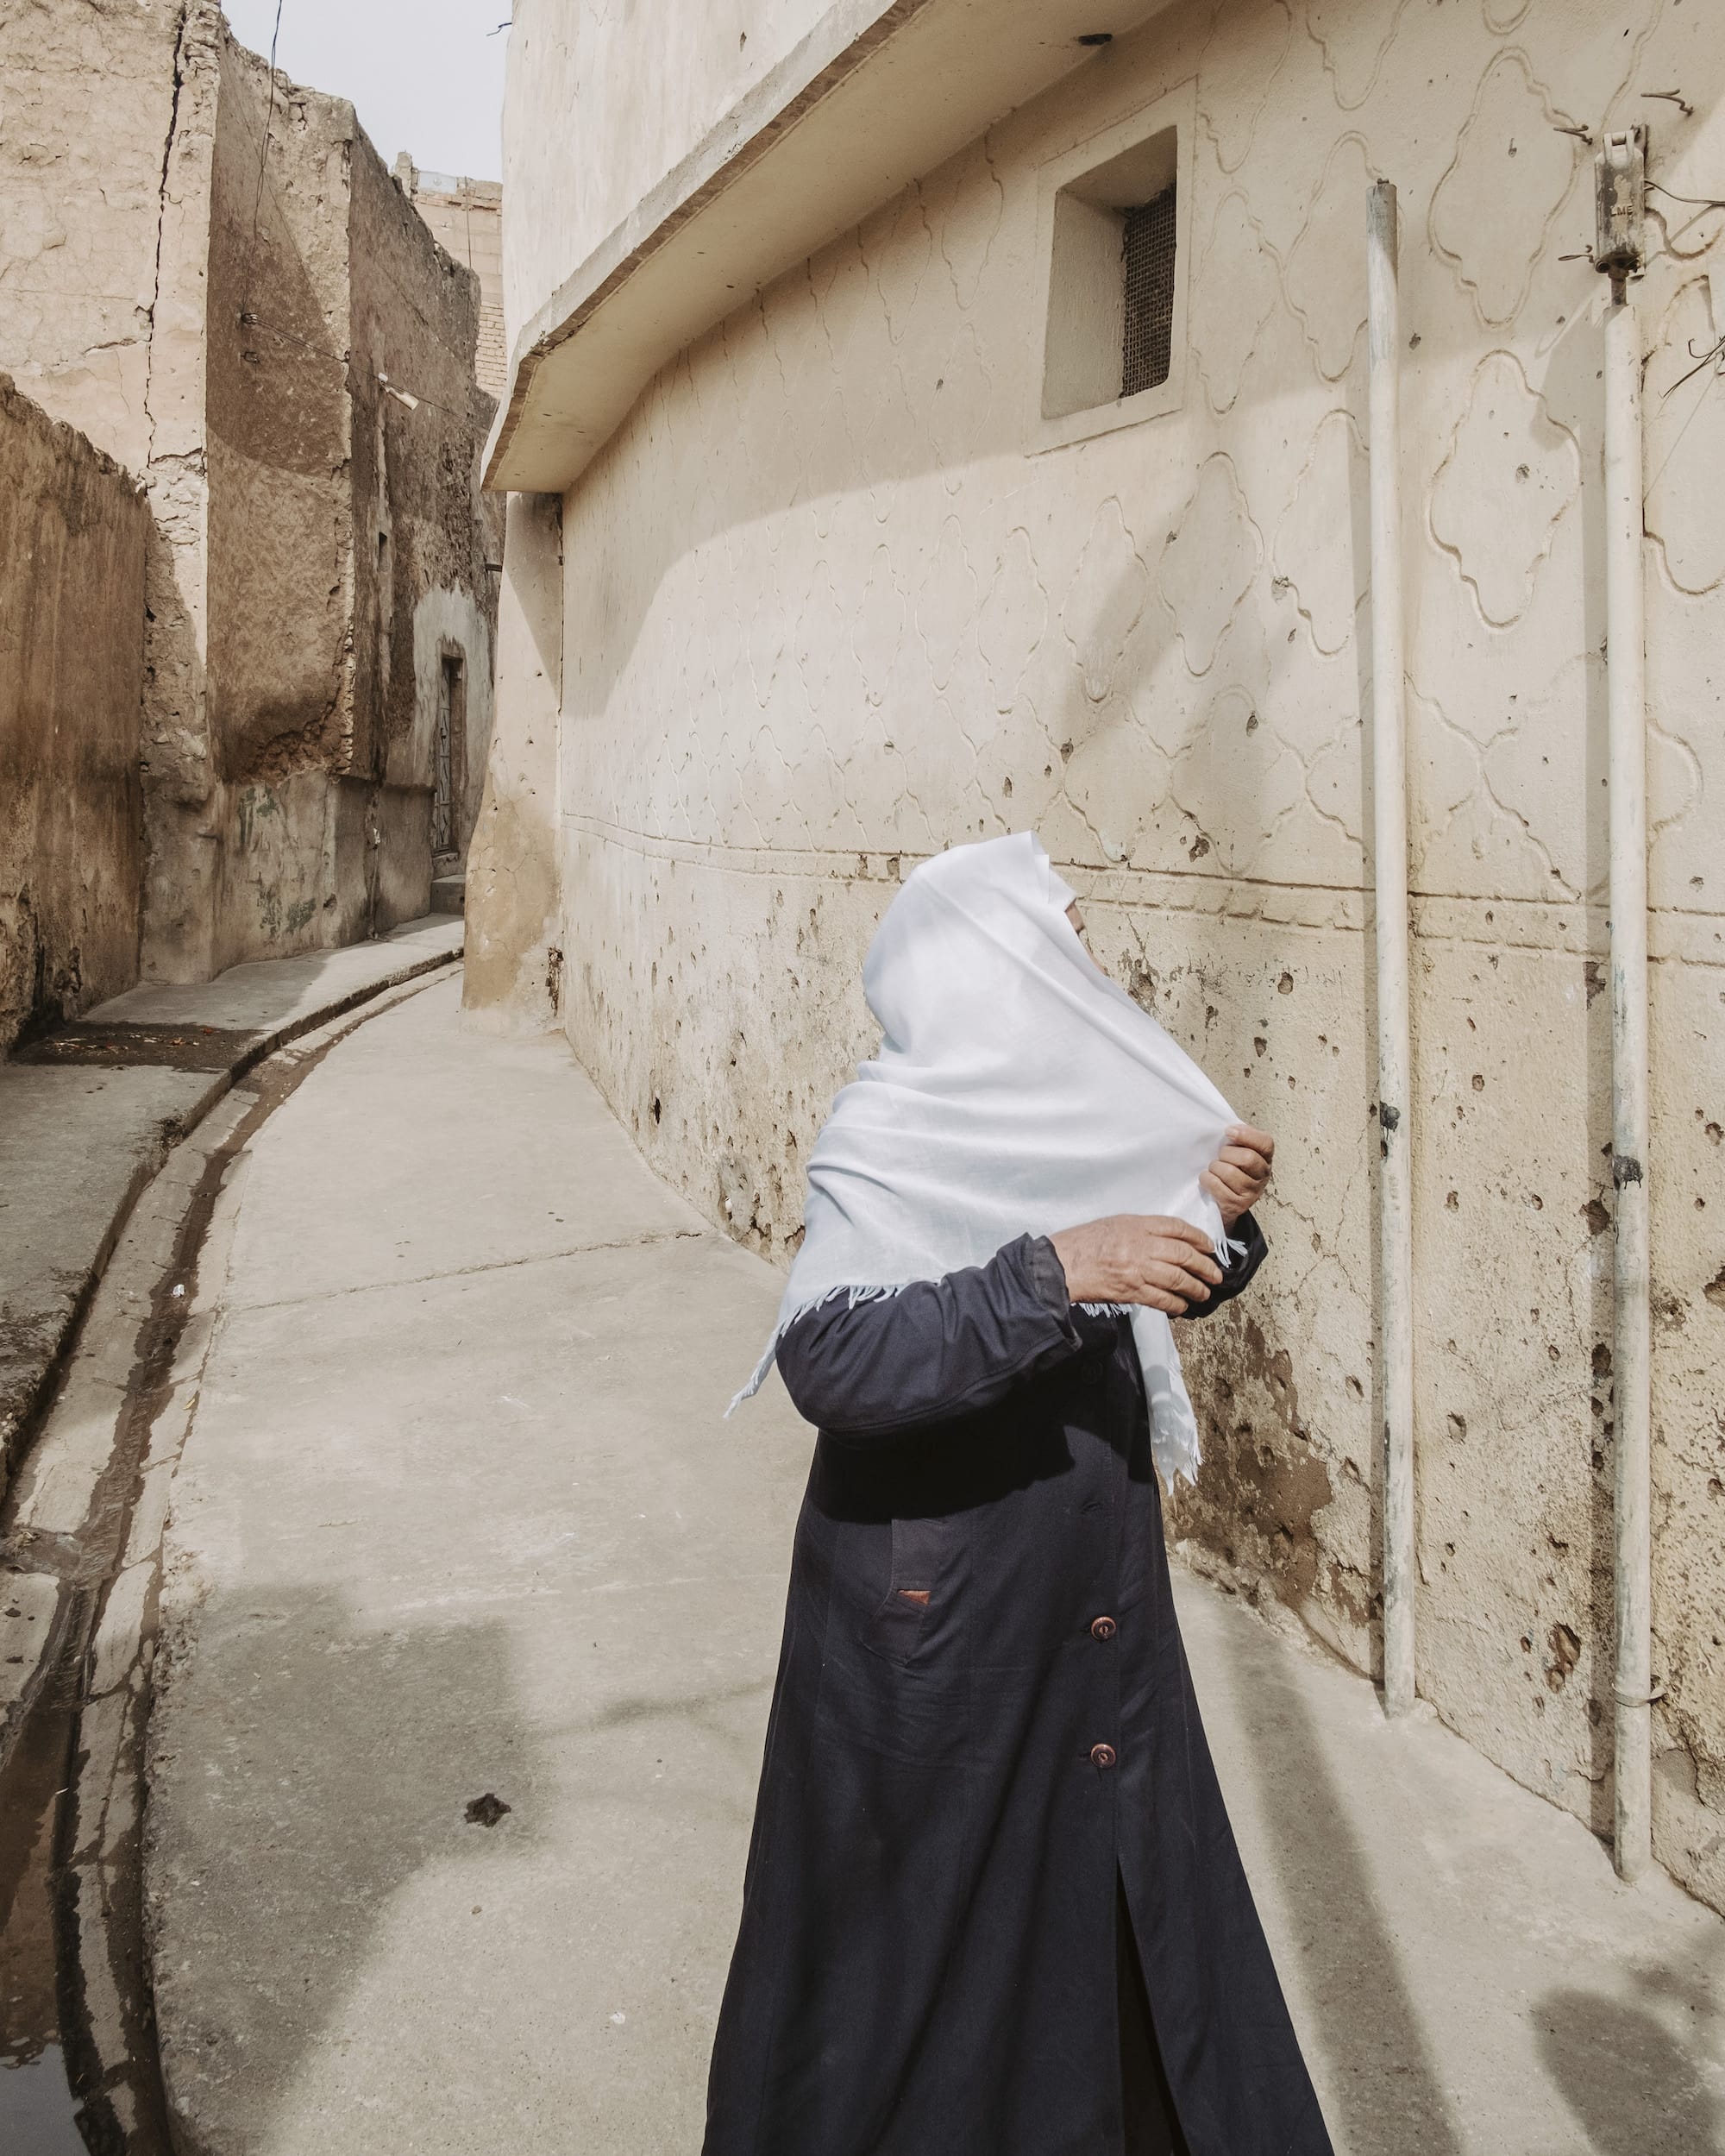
1018	1091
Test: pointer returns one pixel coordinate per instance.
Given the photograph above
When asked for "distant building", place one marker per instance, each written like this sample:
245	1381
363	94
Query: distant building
212	275
466	217
928	420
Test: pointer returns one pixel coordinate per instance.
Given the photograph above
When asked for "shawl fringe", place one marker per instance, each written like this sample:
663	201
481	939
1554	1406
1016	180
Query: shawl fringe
879	1292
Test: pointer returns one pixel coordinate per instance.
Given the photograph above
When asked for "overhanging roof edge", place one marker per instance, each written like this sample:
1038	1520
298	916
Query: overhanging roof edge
844	38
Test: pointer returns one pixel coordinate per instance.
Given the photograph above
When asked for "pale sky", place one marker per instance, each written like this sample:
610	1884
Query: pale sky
423	74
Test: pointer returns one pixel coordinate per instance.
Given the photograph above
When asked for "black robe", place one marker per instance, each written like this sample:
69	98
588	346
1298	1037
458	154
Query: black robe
983	1745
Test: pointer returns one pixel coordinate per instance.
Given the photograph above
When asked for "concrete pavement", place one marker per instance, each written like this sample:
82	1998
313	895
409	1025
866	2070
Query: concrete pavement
81	1533
457	1519
88	1116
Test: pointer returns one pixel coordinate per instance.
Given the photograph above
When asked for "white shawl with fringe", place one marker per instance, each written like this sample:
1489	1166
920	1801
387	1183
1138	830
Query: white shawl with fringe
1016	1090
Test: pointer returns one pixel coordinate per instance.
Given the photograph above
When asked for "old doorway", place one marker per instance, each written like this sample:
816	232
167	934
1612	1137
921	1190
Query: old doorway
449	770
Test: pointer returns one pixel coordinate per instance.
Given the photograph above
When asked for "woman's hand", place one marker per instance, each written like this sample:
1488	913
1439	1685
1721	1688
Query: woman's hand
1240	1174
1138	1258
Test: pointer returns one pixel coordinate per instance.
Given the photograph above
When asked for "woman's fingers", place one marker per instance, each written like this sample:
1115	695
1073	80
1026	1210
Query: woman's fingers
1144	1258
1184	1275
1170	1230
1237	1181
1251	1140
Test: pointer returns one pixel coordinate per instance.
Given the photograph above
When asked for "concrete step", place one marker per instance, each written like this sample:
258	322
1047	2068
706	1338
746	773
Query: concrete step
449	893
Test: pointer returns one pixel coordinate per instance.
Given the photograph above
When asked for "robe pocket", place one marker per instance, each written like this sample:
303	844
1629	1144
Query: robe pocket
916	1600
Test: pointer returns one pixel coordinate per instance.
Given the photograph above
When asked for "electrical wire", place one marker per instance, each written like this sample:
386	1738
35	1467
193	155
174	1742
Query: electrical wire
1696	202
263	163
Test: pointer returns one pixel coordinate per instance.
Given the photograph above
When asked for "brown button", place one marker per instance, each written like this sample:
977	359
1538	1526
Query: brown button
1103	1755
1103	1628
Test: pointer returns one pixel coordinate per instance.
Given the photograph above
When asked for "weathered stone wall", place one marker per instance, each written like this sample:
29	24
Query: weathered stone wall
73	530
827	611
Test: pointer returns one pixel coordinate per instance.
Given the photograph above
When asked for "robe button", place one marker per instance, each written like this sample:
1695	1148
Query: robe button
1103	1755
1103	1628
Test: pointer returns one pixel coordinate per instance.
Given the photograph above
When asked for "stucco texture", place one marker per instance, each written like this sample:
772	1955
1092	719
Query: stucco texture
74	529
825	613
641	115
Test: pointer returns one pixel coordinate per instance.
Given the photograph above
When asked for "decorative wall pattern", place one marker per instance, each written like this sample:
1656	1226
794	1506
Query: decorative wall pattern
823	613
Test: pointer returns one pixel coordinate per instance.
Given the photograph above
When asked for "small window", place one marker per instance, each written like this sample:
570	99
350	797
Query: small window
1114	241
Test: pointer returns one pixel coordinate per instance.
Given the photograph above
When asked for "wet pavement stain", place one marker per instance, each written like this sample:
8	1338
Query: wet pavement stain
69	1893
39	2113
109	1047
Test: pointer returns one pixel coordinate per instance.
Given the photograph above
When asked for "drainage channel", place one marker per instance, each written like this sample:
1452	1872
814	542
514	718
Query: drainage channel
79	2071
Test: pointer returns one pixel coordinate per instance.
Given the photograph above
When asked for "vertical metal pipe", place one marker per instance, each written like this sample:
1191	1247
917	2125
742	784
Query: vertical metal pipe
1395	1055
1627	777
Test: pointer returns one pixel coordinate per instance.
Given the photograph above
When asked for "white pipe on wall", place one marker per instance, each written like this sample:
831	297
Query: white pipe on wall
1627	779
1394	1054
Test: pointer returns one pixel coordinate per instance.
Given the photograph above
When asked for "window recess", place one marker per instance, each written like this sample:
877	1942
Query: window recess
1114	240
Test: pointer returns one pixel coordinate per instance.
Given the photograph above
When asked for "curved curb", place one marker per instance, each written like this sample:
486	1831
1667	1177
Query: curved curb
83	1597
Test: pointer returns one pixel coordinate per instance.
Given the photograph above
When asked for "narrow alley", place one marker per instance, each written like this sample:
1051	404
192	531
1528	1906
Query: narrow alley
986	675
468	1613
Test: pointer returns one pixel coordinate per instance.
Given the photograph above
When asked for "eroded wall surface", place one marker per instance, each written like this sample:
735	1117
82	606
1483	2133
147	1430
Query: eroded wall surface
465	216
81	204
280	703
209	270
825	613
74	529
428	578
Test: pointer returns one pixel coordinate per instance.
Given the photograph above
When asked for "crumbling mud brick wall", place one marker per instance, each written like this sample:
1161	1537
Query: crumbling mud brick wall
829	605
346	552
428	576
73	530
465	216
89	105
212	270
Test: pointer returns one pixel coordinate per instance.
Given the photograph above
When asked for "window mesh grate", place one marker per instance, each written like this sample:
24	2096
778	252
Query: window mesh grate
1146	342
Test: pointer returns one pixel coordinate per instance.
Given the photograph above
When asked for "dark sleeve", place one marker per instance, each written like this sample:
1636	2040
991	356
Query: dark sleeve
1245	1229
937	1349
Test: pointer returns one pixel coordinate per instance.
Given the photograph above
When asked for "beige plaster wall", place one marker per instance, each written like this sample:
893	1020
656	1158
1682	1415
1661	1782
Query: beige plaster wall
513	981
825	611
640	115
74	529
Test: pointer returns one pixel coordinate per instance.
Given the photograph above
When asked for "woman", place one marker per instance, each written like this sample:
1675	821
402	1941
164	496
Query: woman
993	1904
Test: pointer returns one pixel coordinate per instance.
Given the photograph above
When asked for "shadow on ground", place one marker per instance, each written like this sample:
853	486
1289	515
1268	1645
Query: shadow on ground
1355	1974
1630	2084
327	1763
